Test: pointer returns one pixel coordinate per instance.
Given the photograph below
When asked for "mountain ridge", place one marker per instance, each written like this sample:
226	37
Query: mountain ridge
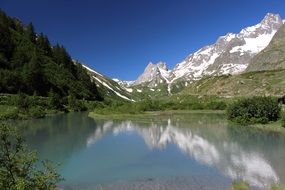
273	56
231	54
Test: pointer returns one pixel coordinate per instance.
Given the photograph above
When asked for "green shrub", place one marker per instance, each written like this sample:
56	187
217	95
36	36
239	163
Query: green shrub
240	185
18	165
36	112
8	112
277	187
254	110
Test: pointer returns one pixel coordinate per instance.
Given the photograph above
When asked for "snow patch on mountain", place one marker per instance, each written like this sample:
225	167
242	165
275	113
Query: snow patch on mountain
91	70
230	54
106	82
117	93
254	45
123	82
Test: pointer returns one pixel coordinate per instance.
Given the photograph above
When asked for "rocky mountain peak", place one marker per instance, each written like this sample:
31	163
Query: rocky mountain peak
162	65
151	72
231	54
271	19
149	65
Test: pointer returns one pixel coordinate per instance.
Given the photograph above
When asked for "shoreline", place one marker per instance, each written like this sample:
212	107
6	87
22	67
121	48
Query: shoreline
272	127
148	114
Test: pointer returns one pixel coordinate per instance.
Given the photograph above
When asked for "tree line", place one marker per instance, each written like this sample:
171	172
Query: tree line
30	64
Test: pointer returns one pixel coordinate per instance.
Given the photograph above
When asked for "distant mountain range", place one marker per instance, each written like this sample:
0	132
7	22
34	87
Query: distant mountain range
30	64
231	54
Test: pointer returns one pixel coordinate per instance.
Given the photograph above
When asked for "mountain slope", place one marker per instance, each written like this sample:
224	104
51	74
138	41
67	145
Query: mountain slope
153	73
29	64
246	84
231	54
273	56
107	86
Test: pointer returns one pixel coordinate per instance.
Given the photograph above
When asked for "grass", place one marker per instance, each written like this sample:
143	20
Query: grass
271	127
151	114
246	84
277	187
7	112
240	185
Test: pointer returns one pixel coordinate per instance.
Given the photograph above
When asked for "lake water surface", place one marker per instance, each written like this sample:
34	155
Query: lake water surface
179	151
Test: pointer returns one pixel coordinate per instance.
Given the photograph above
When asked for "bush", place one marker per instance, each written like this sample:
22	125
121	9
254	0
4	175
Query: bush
36	112
17	166
254	110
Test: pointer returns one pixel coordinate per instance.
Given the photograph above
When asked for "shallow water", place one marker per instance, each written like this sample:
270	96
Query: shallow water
180	151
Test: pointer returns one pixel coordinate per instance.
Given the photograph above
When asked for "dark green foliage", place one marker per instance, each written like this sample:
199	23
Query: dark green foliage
17	165
30	32
21	106
283	120
28	63
36	112
74	104
55	101
23	101
185	103
254	110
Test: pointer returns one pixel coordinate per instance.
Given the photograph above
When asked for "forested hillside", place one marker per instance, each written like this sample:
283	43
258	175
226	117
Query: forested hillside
30	64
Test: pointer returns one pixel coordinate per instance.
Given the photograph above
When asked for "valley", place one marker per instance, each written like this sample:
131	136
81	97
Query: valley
214	121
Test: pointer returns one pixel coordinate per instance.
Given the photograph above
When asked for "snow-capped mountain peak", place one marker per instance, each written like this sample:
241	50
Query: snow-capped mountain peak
231	54
270	19
158	72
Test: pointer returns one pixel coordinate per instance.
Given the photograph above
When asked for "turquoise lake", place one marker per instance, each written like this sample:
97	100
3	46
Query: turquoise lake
173	151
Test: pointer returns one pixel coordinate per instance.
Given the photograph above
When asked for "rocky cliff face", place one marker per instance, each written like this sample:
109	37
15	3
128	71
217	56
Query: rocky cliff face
154	74
231	54
273	56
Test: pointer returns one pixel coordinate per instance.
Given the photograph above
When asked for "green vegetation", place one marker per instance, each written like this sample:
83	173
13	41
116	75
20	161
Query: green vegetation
30	64
17	166
246	84
283	120
270	127
173	103
254	110
22	106
277	187
240	185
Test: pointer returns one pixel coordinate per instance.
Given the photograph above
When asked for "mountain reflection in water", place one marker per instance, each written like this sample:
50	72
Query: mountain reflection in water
231	159
176	151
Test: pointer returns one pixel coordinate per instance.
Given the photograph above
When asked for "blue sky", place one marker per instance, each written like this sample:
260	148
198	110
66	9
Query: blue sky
119	37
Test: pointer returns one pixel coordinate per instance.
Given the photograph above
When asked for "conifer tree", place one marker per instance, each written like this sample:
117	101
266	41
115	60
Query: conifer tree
30	32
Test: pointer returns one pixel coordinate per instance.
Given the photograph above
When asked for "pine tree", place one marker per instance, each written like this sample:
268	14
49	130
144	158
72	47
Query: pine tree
33	75
6	45
44	44
30	32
